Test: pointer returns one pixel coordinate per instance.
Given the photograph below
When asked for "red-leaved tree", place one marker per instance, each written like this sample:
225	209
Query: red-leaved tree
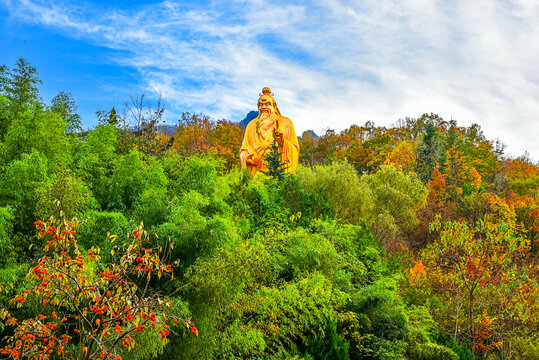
88	309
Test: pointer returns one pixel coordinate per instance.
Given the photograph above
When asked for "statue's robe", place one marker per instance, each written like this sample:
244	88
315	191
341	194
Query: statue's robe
258	139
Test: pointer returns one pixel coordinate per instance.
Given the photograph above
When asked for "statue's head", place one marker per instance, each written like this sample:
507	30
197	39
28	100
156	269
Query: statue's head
266	103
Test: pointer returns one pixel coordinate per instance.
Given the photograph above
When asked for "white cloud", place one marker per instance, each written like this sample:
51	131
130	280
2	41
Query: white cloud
330	63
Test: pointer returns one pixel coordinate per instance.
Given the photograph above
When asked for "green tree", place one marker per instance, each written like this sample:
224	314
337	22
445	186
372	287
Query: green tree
350	198
6	230
397	199
20	183
64	196
276	168
64	105
131	177
41	130
429	149
95	159
19	85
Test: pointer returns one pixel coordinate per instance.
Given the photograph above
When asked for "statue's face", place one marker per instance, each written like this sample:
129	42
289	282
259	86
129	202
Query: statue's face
265	106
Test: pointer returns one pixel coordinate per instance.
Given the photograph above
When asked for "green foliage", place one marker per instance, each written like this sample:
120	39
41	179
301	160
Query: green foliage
5	119
526	186
431	351
423	335
397	199
64	105
359	253
131	177
6	230
220	280
252	203
11	282
197	174
36	129
306	253
151	207
19	188
95	159
276	168
25	124
524	345
429	149
215	284
194	234
290	314
65	196
311	205
93	230
350	198
241	342
328	346
149	346
19	85
462	351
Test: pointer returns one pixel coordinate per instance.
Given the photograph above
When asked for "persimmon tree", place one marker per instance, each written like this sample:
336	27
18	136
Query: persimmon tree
87	309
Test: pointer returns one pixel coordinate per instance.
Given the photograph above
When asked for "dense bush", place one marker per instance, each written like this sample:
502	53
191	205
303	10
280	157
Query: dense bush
340	185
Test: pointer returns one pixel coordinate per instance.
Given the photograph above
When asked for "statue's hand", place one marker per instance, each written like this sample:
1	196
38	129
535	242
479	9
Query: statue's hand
279	137
251	160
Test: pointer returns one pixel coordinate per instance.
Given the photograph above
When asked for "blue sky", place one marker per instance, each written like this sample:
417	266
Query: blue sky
330	63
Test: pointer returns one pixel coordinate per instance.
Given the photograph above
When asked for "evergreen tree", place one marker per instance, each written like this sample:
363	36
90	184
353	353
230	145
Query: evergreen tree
274	163
428	152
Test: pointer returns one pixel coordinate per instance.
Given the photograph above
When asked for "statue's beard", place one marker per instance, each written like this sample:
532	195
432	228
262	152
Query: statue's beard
265	126
267	114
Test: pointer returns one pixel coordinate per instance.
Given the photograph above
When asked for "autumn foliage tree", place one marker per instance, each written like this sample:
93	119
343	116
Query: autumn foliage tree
87	309
200	134
522	176
483	276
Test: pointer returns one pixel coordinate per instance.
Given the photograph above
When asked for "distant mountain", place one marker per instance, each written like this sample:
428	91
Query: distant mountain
250	116
312	133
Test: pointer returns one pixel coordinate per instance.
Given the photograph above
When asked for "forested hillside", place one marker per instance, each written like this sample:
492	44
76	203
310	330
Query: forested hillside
417	241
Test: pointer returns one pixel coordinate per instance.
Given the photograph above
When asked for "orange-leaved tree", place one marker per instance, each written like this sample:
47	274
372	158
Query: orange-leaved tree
484	276
226	142
88	309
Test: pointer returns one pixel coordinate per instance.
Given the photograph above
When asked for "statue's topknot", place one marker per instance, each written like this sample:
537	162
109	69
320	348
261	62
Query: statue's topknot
266	91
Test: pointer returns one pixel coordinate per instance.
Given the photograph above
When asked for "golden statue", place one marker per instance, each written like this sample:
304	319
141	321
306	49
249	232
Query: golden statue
261	132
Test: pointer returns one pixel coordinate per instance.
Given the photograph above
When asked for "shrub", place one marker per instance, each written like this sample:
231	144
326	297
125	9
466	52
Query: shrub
66	194
195	235
308	253
131	177
339	183
199	175
151	208
431	351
